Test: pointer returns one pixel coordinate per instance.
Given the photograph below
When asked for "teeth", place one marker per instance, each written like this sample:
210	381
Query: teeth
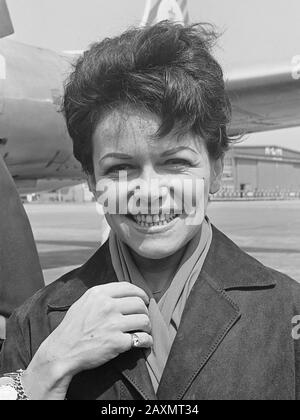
156	220
149	220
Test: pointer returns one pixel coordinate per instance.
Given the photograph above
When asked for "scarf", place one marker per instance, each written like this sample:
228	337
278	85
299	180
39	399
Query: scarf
165	316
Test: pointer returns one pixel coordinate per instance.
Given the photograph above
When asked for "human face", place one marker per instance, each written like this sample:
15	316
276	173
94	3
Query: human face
123	141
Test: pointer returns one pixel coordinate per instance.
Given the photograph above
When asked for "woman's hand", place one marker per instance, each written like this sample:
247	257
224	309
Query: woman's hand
95	330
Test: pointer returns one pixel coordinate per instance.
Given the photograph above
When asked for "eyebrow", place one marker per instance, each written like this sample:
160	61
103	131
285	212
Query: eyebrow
127	157
178	149
116	156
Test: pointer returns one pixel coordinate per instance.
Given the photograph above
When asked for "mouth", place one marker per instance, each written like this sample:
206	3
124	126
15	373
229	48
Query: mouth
147	221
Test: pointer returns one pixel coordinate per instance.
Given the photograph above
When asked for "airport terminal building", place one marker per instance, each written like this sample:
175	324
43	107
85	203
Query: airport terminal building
262	171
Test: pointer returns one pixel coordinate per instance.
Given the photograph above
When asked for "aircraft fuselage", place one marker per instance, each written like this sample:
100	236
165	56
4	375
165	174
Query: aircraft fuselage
33	135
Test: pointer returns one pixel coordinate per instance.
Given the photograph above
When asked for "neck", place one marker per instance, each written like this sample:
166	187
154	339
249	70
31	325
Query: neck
158	274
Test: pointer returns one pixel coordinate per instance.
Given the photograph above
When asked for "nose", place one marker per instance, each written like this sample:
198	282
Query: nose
152	191
155	192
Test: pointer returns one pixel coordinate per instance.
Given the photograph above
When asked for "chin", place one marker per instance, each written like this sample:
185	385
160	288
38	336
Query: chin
159	248
155	252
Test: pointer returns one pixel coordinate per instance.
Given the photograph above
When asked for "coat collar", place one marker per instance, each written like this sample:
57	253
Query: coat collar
231	268
226	265
208	317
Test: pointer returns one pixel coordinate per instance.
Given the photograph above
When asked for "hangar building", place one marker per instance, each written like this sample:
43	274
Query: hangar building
262	169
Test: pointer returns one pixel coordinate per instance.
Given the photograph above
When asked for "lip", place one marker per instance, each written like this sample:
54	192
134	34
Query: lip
153	229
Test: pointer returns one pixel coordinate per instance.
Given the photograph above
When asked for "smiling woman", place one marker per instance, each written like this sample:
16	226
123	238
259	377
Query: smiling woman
160	229
168	308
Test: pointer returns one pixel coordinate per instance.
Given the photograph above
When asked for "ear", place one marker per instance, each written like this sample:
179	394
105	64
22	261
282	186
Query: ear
217	167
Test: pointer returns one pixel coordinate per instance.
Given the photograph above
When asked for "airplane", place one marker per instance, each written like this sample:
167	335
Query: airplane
34	143
33	136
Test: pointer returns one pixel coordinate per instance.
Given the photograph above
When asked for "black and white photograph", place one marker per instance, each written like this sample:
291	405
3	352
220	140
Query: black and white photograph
149	202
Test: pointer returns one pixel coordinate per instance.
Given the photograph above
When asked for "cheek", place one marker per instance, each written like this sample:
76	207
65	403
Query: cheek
113	196
197	187
207	188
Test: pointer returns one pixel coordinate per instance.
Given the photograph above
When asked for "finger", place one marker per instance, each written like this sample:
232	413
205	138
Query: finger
131	306
125	289
145	341
134	323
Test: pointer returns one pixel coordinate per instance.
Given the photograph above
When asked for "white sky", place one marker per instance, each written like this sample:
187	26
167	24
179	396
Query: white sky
256	33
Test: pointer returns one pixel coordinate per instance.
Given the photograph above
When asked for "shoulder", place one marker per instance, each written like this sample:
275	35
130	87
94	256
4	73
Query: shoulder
235	270
35	320
65	291
287	288
38	303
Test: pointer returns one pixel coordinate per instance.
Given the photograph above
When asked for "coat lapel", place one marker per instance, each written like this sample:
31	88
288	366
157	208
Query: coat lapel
210	314
208	317
132	366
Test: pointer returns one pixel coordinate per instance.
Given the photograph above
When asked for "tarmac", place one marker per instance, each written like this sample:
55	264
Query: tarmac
68	234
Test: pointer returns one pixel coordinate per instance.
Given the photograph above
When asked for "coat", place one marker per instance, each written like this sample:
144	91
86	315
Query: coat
234	342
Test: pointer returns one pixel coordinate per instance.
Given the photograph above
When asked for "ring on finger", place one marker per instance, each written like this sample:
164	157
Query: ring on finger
135	341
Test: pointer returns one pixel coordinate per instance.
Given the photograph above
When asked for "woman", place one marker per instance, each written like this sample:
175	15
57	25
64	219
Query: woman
168	308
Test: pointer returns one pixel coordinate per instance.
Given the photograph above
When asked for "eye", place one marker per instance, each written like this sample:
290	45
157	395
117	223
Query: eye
178	162
114	170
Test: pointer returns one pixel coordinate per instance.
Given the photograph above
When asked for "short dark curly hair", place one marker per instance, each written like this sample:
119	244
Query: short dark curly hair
167	69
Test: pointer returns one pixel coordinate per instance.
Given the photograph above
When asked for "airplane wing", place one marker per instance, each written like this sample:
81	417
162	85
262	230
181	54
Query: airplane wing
265	100
6	27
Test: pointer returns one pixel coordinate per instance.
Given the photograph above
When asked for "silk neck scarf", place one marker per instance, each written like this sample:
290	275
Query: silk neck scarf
165	316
